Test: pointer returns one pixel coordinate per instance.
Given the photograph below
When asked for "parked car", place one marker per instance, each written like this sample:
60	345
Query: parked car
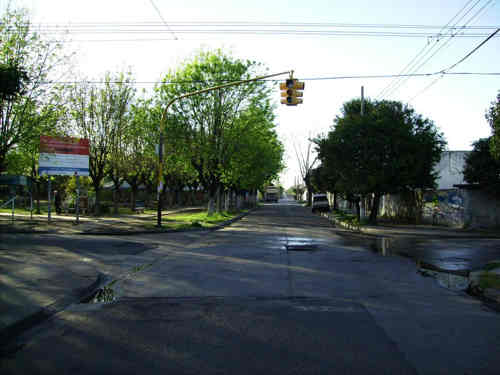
320	203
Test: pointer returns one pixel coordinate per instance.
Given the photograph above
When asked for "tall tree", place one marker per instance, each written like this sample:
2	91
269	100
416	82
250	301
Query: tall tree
99	113
256	152
27	61
306	162
49	119
390	149
482	168
493	118
207	118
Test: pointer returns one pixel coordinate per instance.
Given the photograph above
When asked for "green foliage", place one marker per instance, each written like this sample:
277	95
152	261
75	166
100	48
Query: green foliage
482	168
100	114
222	137
256	151
321	180
12	80
489	280
28	105
345	217
390	149
493	118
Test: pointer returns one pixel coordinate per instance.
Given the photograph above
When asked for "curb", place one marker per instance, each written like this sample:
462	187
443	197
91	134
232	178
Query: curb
10	333
359	230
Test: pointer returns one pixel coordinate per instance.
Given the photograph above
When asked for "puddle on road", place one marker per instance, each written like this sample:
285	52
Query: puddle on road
450	272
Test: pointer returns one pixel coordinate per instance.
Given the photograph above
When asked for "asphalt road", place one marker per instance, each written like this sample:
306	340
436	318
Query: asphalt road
277	293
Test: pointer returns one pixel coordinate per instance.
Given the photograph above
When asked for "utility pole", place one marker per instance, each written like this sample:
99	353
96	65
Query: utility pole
164	119
361	203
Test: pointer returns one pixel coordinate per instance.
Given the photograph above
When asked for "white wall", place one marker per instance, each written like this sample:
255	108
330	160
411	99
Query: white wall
450	169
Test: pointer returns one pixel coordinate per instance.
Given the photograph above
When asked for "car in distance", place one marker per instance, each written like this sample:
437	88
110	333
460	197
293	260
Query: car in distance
320	203
272	194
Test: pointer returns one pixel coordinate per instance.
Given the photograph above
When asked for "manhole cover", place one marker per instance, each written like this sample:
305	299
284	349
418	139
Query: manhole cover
301	246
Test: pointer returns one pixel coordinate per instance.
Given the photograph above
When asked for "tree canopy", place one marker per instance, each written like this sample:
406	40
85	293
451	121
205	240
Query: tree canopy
222	140
482	168
493	118
389	149
217	128
26	61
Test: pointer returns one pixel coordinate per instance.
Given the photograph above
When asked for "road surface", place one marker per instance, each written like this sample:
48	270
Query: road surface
279	292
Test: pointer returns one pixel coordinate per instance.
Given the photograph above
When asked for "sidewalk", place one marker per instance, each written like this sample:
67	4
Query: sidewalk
39	279
413	231
66	224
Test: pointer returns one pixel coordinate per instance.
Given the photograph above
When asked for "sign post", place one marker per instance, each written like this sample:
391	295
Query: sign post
49	200
64	156
77	203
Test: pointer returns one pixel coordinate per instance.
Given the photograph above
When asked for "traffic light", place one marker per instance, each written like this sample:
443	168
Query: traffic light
291	91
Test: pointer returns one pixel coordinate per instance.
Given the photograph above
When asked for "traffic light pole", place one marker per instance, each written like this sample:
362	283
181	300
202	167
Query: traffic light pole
164	120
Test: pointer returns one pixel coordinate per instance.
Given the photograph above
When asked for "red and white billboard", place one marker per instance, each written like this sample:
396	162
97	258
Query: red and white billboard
63	156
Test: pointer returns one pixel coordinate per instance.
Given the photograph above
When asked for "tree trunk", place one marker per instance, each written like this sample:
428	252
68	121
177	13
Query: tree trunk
37	184
177	201
238	200
133	195
358	209
309	196
227	198
374	208
116	198
97	205
219	199
335	201
211	206
212	192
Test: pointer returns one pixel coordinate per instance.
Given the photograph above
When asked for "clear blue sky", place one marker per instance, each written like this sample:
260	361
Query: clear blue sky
455	103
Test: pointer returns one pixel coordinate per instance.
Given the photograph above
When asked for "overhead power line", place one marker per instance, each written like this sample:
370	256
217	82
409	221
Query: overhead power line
163	19
446	71
380	76
473	51
90	25
132	30
392	86
441	41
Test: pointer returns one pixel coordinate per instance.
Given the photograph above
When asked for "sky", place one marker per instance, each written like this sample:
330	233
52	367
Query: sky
456	103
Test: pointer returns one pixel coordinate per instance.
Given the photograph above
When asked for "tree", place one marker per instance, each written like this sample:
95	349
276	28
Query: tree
256	152
390	149
49	119
207	119
140	138
493	118
124	134
482	168
12	80
26	63
99	113
306	165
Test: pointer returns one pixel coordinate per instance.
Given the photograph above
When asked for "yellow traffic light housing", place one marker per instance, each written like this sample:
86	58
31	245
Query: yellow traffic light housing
291	91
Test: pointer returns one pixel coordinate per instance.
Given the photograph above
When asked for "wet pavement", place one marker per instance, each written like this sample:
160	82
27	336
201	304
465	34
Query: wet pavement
277	292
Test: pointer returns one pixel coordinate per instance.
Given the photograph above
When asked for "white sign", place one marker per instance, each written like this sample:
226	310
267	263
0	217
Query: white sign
63	164
63	156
